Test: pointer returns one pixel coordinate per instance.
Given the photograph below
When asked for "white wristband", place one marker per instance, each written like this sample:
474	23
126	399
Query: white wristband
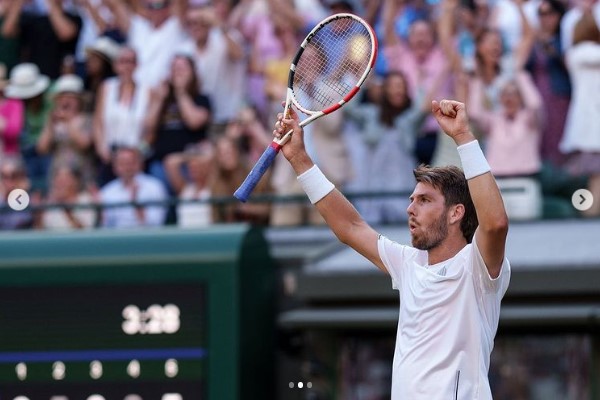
315	184
472	159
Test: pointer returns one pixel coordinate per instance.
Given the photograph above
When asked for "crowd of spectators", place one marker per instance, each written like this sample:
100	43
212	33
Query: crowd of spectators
133	104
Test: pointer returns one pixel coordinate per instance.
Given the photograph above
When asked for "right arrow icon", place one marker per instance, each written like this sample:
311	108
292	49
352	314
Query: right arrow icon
582	199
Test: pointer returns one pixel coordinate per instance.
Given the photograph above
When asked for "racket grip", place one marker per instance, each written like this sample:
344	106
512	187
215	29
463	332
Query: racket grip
259	169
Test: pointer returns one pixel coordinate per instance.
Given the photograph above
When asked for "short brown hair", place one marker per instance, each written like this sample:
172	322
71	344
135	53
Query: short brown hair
452	183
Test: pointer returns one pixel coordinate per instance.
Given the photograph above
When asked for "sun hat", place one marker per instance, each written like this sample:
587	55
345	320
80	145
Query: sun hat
105	47
26	82
68	83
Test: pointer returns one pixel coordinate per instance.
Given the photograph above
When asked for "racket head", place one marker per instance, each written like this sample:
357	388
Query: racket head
331	64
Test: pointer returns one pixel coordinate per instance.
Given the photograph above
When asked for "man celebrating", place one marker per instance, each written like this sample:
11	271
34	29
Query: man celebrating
451	280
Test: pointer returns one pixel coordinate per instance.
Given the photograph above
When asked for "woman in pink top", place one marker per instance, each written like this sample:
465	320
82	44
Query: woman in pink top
12	117
513	131
513	143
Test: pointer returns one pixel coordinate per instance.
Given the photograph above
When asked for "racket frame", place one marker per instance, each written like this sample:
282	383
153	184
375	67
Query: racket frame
291	98
268	157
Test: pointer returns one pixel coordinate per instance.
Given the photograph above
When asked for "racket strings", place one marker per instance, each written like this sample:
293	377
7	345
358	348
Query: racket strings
333	62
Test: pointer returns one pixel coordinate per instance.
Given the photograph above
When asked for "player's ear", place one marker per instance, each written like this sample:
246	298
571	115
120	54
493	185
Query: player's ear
457	212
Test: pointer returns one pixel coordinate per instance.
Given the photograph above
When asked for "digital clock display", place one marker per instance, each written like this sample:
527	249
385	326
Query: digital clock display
166	314
140	341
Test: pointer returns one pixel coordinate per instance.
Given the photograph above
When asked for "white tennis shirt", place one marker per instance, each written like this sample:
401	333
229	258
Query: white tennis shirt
448	319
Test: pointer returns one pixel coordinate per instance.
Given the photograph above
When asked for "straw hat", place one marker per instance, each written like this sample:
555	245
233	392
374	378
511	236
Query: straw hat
26	82
68	84
105	47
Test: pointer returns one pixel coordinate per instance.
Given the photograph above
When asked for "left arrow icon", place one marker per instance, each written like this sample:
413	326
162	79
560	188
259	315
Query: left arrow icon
18	199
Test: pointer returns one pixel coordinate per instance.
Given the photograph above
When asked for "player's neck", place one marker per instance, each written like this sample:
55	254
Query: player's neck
447	249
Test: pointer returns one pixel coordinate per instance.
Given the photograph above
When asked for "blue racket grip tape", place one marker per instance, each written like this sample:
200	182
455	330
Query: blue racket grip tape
259	169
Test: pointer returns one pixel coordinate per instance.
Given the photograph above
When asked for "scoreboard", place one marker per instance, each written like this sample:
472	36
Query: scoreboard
155	315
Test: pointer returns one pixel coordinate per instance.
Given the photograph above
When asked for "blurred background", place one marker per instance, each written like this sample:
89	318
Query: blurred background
128	271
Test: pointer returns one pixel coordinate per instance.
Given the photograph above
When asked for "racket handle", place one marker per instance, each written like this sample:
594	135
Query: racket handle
259	169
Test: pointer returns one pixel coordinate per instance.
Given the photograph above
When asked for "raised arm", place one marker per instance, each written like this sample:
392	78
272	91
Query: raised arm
338	212
98	129
179	9
532	100
94	13
523	49
446	33
10	27
493	221
121	13
372	8
62	25
389	11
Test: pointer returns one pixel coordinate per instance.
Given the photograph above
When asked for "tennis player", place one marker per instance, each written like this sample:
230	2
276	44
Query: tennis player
453	277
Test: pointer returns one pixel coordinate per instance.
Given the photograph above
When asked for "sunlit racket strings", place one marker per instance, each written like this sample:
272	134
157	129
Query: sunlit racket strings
332	63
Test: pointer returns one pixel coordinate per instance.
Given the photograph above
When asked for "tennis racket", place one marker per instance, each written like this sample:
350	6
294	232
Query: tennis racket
331	64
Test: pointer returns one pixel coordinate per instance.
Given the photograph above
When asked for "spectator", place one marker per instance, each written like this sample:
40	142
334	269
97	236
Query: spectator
231	170
546	64
459	25
401	14
513	144
420	60
154	35
97	22
249	133
218	53
178	115
582	133
67	134
383	146
67	188
99	60
132	186
13	175
276	70
46	33
258	26
190	174
12	116
506	17
493	66
120	113
28	84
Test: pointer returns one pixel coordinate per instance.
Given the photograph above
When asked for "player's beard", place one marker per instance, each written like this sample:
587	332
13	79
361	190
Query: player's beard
431	237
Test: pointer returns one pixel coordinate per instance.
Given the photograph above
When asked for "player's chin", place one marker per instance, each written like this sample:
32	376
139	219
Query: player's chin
414	240
418	242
